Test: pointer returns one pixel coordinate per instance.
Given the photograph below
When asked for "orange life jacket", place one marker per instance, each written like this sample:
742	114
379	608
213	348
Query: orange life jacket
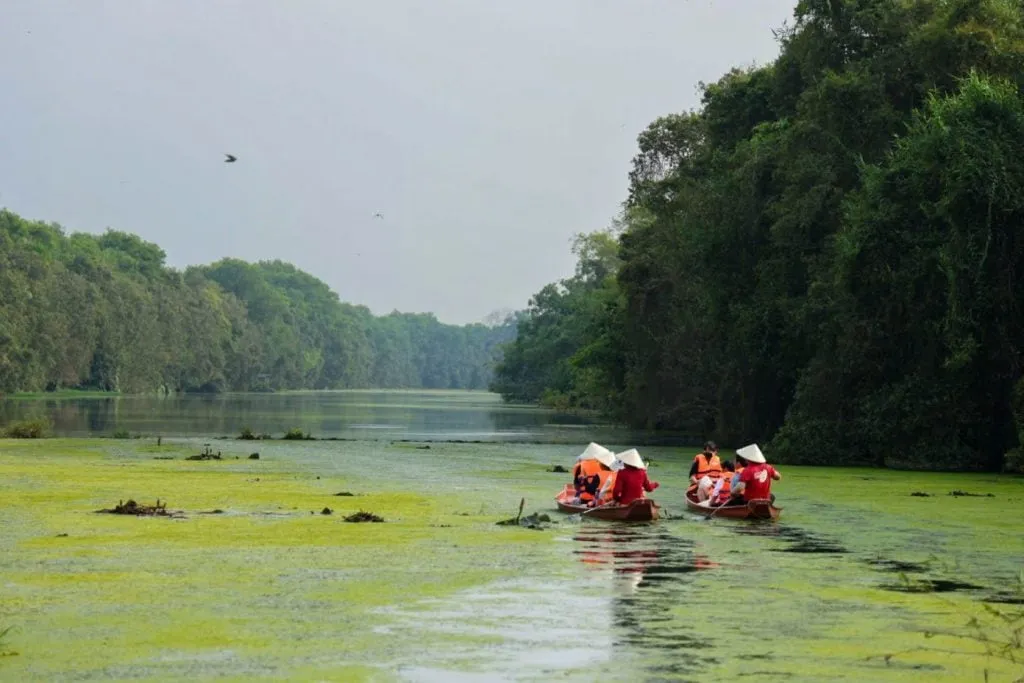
584	475
609	477
723	493
711	467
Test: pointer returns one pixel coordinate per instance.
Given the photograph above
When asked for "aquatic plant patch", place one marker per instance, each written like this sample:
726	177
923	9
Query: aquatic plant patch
361	516
138	510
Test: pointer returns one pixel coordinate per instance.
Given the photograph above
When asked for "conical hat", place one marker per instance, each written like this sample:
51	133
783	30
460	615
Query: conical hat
632	457
751	453
606	458
597	452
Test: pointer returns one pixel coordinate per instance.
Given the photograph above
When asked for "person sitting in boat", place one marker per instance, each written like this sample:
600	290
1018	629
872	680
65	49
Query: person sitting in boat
755	481
723	489
610	466
587	474
705	471
631	481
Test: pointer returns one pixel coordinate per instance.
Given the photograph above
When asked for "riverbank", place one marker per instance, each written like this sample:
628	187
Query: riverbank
270	586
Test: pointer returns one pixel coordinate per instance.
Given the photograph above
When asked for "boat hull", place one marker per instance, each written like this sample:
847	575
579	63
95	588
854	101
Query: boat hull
643	510
755	509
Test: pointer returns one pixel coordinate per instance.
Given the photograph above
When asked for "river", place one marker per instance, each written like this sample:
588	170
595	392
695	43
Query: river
369	414
852	583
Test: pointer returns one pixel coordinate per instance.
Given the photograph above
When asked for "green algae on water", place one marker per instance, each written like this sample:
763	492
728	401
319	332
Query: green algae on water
268	590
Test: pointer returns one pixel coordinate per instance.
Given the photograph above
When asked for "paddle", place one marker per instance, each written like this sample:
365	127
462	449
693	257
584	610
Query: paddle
708	518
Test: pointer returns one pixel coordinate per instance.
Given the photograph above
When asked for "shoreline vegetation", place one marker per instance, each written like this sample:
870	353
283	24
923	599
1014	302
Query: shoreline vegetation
104	313
824	257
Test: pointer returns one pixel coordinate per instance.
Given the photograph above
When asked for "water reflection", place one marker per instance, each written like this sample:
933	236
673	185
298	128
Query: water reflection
371	415
797	540
652	574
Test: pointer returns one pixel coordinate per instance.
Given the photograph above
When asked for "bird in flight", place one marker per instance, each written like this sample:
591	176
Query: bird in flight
230	158
379	215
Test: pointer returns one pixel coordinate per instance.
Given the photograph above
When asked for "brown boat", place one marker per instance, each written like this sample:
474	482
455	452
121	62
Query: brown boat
642	510
754	509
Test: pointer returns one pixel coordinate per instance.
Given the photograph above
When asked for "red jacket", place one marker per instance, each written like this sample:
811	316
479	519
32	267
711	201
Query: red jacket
630	484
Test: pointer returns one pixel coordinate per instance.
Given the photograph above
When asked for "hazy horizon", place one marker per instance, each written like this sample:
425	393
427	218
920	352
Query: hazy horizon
485	135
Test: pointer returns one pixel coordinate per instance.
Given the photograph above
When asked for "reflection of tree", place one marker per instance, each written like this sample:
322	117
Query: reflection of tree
652	573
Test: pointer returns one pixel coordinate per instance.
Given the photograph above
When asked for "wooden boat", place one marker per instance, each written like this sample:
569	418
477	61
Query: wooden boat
643	510
754	509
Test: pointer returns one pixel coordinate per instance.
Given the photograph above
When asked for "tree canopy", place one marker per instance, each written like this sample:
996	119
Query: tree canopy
824	256
105	312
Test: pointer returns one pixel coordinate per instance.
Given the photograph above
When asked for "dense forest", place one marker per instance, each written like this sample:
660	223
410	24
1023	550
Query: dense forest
826	257
105	313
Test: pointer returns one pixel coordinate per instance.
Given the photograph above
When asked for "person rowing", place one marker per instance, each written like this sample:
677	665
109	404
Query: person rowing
631	481
755	481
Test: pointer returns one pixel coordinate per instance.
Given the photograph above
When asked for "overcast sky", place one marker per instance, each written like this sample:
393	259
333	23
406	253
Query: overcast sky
487	132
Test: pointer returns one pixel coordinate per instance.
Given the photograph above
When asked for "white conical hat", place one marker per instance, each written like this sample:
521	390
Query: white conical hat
598	453
632	457
751	453
606	457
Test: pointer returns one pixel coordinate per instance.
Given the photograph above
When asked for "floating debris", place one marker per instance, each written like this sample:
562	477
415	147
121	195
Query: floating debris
254	456
344	493
423	448
963	494
133	508
363	516
921	494
62	535
559	469
218	511
327	511
534	521
207	454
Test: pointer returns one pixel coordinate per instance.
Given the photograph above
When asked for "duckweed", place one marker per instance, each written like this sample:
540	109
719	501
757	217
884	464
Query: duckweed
265	589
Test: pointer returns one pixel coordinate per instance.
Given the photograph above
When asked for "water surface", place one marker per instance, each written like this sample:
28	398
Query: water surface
845	586
370	415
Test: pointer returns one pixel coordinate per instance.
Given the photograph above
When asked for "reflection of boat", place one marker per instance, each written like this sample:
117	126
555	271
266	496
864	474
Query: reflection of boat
642	510
755	509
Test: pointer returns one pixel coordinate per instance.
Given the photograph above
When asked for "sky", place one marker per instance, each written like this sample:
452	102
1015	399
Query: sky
487	133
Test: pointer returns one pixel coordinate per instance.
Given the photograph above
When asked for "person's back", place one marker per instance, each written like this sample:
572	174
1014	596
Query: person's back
586	477
606	486
724	488
755	482
631	481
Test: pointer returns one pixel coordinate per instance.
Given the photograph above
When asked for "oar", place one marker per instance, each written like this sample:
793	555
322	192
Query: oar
708	518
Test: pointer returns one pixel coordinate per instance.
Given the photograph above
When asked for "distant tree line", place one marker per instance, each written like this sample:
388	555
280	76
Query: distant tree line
105	313
827	257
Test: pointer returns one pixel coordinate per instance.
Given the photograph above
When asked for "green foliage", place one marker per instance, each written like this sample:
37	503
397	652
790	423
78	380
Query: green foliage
104	313
296	434
561	336
28	429
824	256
